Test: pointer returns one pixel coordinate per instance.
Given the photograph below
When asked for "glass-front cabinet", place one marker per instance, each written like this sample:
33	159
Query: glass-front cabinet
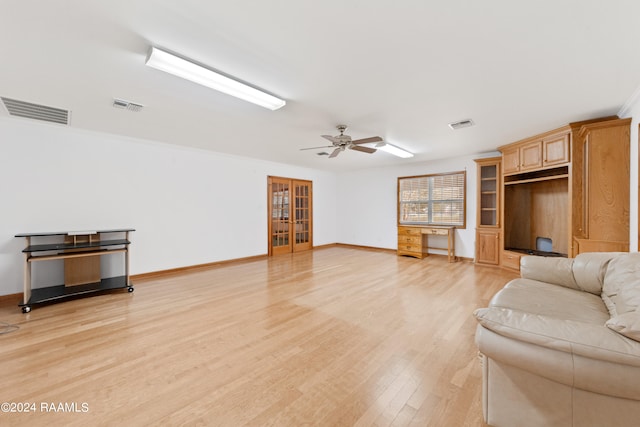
488	211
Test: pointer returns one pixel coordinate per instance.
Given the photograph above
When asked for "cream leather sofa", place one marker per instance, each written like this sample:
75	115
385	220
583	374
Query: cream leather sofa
560	346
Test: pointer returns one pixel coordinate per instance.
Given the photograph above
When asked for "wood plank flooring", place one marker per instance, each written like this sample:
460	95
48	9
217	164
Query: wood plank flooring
336	336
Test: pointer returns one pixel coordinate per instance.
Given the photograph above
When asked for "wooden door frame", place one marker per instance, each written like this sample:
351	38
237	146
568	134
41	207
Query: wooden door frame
292	206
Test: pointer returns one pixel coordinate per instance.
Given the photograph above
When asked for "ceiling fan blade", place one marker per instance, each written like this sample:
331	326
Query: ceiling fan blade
336	152
316	148
366	140
363	149
330	138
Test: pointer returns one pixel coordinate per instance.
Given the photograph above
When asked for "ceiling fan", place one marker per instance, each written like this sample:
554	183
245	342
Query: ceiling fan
342	142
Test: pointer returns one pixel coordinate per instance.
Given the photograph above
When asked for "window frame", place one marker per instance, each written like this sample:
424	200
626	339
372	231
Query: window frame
430	202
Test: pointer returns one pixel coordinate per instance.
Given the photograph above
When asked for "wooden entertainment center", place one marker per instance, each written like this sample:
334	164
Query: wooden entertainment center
561	193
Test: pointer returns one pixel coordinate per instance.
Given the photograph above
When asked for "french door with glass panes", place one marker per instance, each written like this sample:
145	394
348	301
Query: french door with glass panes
290	215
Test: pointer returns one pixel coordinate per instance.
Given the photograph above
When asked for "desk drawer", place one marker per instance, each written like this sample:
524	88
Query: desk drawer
403	239
409	231
410	247
436	231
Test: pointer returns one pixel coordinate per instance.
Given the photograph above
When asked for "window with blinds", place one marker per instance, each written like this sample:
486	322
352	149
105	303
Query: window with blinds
433	199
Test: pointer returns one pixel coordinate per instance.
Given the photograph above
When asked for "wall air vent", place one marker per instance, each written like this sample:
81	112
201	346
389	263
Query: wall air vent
127	105
35	111
461	124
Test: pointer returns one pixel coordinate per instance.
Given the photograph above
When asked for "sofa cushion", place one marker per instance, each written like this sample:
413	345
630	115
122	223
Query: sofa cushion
590	268
549	269
532	296
621	289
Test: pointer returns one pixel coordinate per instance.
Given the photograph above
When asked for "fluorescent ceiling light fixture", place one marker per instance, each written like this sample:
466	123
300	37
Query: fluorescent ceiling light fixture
392	149
169	63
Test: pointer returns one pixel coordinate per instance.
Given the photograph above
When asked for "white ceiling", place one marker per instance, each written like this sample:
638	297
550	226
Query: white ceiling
399	69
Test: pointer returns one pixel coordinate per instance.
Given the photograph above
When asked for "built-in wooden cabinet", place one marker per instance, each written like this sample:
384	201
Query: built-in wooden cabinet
488	211
511	160
566	191
523	157
601	199
556	149
511	260
542	151
487	246
530	156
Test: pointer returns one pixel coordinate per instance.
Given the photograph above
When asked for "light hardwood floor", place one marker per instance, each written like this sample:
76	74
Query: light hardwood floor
331	337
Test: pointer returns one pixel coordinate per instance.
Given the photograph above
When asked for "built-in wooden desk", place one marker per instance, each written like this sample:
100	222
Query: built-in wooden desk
414	241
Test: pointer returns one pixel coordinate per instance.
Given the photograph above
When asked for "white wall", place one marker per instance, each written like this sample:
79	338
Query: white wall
368	204
188	206
192	206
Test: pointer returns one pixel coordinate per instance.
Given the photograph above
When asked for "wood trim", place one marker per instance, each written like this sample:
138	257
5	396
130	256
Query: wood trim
464	201
620	122
193	268
199	267
11	298
368	248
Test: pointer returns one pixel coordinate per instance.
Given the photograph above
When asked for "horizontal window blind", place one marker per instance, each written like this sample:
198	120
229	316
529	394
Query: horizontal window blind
432	199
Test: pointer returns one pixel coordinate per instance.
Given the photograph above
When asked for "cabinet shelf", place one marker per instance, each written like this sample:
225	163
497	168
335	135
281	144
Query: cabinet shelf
67	246
54	293
546	178
74	233
74	255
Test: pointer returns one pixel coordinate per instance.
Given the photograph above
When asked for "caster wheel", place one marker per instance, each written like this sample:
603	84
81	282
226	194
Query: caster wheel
130	289
26	309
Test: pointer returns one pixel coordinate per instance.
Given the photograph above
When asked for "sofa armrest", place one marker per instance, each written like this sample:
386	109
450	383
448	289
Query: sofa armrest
553	270
589	340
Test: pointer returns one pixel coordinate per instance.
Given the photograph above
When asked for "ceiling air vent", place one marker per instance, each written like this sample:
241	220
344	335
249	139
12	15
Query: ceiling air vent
36	111
461	124
127	105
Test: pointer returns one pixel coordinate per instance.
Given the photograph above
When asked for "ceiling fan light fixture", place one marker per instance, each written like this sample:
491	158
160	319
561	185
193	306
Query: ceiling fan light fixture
169	63
392	149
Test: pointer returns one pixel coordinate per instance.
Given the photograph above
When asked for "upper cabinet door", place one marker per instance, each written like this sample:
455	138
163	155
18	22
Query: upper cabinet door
531	156
510	160
556	150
